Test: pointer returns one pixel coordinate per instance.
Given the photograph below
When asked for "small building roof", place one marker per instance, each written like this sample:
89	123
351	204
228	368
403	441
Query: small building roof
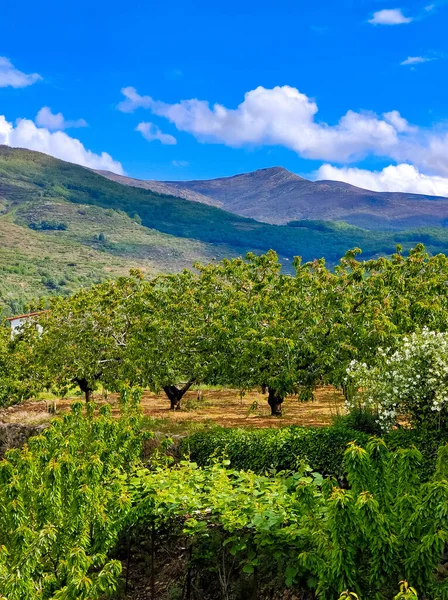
25	316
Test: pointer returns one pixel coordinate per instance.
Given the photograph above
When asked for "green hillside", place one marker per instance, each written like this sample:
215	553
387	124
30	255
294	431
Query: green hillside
63	226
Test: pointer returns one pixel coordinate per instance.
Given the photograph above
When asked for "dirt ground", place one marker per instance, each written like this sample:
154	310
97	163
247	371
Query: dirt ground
203	407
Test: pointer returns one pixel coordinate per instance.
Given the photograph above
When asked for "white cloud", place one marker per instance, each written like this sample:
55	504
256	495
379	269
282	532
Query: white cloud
397	121
391	16
283	116
133	100
45	118
416	60
151	133
25	134
180	163
394	178
12	77
280	116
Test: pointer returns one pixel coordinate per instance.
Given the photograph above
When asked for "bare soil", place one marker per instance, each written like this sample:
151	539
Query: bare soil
223	407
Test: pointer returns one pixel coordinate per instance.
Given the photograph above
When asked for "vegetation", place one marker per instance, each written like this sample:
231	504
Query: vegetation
88	228
78	494
48	226
238	323
14	386
65	501
329	539
37	264
411	382
273	450
242	515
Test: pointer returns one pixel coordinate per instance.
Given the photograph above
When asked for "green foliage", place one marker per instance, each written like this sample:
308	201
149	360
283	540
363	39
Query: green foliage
82	338
427	442
412	382
75	491
64	504
360	418
48	226
244	324
261	316
14	362
264	450
172	338
371	304
406	592
387	527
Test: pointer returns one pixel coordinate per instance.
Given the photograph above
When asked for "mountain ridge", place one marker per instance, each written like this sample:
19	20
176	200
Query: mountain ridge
277	196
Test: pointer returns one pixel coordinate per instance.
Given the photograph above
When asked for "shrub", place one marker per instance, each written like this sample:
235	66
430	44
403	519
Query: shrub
426	441
283	449
262	450
388	529
412	382
48	226
360	418
65	503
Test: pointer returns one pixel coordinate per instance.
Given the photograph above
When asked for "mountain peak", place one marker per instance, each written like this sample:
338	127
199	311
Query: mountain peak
276	195
270	172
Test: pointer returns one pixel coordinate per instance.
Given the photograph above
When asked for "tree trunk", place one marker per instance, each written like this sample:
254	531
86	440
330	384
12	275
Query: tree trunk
264	388
348	390
275	401
176	394
85	388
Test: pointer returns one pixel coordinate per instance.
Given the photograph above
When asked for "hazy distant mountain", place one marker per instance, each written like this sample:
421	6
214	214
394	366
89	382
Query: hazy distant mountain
278	196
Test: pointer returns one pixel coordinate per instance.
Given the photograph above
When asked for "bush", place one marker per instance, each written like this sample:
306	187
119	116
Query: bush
65	503
360	418
262	450
412	382
303	531
283	449
48	226
427	441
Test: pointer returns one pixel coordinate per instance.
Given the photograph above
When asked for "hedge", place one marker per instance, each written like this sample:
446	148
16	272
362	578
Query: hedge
427	441
262	450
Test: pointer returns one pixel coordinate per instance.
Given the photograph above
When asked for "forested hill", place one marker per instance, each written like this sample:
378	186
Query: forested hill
27	176
63	226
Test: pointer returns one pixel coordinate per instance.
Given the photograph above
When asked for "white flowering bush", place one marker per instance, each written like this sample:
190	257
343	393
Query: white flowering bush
411	382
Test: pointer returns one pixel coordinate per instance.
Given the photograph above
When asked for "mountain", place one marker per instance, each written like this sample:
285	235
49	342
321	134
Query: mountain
278	196
63	227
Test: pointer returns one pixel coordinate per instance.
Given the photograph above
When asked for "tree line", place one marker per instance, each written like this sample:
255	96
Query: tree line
239	323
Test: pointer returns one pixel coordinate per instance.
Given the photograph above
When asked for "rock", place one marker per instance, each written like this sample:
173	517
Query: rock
15	435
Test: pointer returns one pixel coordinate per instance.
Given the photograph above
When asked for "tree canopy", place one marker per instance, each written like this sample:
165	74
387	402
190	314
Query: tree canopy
240	323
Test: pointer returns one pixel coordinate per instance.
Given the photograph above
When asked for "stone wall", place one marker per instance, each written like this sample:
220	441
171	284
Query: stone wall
14	435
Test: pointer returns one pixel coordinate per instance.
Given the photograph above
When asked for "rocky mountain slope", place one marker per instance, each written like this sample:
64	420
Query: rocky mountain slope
278	196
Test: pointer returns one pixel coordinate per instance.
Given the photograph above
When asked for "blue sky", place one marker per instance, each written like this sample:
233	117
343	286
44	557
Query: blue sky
302	66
